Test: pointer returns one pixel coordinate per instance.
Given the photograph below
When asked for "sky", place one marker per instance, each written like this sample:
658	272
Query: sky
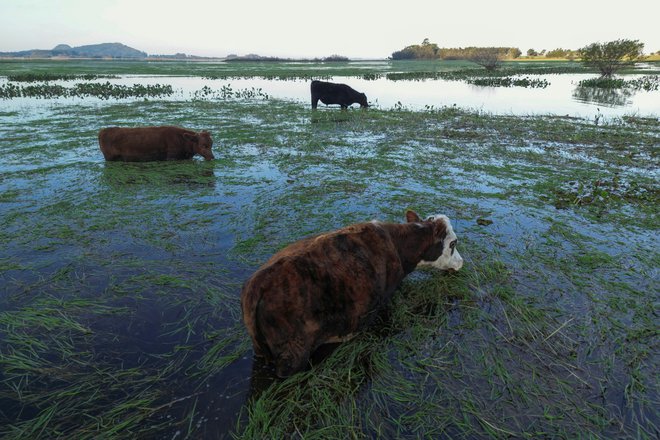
309	28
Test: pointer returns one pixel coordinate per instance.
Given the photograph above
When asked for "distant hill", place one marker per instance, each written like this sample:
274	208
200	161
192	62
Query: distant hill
103	50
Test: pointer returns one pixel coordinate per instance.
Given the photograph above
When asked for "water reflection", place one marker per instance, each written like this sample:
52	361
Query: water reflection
606	97
559	97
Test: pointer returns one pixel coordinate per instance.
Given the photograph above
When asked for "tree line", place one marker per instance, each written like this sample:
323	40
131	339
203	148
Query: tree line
431	51
607	57
554	53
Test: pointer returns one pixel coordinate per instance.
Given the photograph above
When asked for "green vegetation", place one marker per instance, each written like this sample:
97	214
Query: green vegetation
509	82
426	50
469	53
29	77
119	308
488	57
471	74
81	90
254	57
612	56
289	70
562	53
335	58
603	83
647	82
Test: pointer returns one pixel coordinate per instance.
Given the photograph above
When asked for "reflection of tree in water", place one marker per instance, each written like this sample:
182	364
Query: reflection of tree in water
605	97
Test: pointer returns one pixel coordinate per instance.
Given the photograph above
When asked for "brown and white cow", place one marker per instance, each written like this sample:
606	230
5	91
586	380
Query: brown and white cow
327	287
143	144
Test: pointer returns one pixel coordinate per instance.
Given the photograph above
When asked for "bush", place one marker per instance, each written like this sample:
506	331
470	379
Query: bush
489	57
336	58
603	83
557	53
612	56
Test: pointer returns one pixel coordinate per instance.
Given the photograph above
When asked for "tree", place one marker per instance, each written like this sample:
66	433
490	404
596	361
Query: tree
489	57
335	58
405	54
557	53
514	53
612	56
426	50
532	53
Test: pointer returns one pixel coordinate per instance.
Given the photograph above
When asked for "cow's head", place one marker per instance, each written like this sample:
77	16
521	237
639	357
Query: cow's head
201	143
442	254
362	100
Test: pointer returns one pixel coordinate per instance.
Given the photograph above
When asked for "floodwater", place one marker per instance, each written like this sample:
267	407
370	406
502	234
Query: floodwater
561	97
157	245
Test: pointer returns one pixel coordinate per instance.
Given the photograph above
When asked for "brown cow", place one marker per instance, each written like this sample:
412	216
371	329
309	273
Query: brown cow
143	144
327	287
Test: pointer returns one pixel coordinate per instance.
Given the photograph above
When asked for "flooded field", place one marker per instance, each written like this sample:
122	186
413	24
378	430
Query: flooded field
388	85
119	307
561	97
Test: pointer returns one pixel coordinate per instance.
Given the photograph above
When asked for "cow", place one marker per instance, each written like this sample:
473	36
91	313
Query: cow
331	93
326	288
144	144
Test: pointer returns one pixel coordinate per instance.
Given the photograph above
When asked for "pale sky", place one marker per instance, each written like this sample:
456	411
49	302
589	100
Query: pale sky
308	29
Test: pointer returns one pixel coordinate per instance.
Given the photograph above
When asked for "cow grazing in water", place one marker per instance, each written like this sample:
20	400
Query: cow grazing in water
331	93
327	287
143	144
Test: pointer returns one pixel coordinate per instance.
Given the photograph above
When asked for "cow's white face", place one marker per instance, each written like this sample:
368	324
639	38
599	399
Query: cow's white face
449	259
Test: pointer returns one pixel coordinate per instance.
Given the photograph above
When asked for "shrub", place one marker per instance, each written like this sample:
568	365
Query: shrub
612	56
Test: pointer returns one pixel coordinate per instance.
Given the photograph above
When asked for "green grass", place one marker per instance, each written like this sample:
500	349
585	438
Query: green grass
119	308
88	70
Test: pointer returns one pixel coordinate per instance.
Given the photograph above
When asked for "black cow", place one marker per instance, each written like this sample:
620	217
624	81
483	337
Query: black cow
331	93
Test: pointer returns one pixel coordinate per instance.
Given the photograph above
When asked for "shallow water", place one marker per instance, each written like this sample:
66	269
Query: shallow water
166	246
561	97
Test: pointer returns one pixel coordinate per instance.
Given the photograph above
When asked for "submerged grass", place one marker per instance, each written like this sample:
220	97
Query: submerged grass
119	310
647	82
82	90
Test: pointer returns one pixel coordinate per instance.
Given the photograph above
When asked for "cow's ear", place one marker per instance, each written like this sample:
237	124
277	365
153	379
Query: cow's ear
440	228
412	217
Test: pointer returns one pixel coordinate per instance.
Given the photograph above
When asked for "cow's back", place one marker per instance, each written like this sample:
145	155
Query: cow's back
331	93
319	289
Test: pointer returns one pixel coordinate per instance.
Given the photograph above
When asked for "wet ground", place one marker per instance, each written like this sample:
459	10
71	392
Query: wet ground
119	309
